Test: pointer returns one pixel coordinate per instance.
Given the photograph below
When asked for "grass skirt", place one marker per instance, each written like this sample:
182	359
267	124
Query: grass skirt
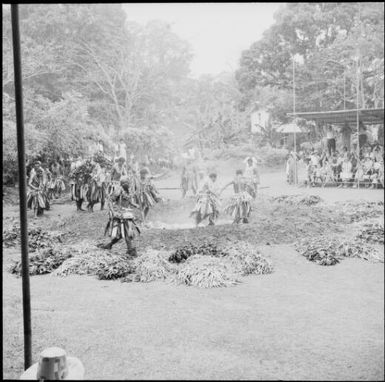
112	186
79	191
207	205
96	192
59	185
118	227
148	197
239	206
36	200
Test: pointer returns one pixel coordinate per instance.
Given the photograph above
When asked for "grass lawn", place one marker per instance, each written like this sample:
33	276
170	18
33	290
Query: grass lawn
303	321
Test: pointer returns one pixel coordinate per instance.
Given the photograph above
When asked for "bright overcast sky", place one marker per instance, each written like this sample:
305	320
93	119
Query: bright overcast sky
217	32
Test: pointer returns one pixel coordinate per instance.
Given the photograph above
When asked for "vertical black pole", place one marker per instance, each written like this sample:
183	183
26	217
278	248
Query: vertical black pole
22	186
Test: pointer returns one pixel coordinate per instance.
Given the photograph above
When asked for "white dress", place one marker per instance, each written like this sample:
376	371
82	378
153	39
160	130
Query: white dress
346	173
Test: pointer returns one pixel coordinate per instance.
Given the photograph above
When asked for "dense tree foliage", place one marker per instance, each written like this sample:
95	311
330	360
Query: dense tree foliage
331	42
89	73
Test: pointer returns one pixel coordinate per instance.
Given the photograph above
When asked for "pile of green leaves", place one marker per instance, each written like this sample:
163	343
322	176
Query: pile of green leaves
356	211
307	200
117	267
207	249
326	251
81	259
373	233
206	272
44	261
320	251
151	265
360	250
247	259
10	236
37	237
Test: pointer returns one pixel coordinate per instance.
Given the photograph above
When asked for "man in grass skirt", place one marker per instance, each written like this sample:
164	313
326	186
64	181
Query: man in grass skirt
239	206
100	180
122	219
80	177
57	175
49	186
148	194
96	188
117	172
251	174
36	196
207	204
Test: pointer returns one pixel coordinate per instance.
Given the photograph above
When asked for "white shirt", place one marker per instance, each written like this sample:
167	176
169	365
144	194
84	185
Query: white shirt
314	160
346	167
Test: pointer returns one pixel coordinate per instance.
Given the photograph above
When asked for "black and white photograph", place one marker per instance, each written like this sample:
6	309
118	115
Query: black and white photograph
193	191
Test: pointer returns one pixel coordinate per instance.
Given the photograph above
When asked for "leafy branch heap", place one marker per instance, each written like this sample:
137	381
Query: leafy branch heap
44	261
373	233
37	237
211	267
184	252
326	251
308	200
356	211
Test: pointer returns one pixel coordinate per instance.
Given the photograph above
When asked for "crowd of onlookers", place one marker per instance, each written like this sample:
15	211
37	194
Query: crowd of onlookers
346	168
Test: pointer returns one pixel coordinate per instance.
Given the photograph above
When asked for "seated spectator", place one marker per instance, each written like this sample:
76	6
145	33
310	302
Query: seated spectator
375	174
368	169
334	163
340	160
346	173
327	173
314	158
317	177
324	156
377	154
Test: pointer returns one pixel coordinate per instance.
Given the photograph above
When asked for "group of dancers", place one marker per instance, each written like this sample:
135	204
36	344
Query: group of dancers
245	185
129	193
43	187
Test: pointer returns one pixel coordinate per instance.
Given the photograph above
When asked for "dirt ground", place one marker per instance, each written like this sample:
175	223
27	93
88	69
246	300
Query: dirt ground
303	321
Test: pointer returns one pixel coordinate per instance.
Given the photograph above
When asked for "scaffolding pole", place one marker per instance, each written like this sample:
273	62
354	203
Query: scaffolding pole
22	187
